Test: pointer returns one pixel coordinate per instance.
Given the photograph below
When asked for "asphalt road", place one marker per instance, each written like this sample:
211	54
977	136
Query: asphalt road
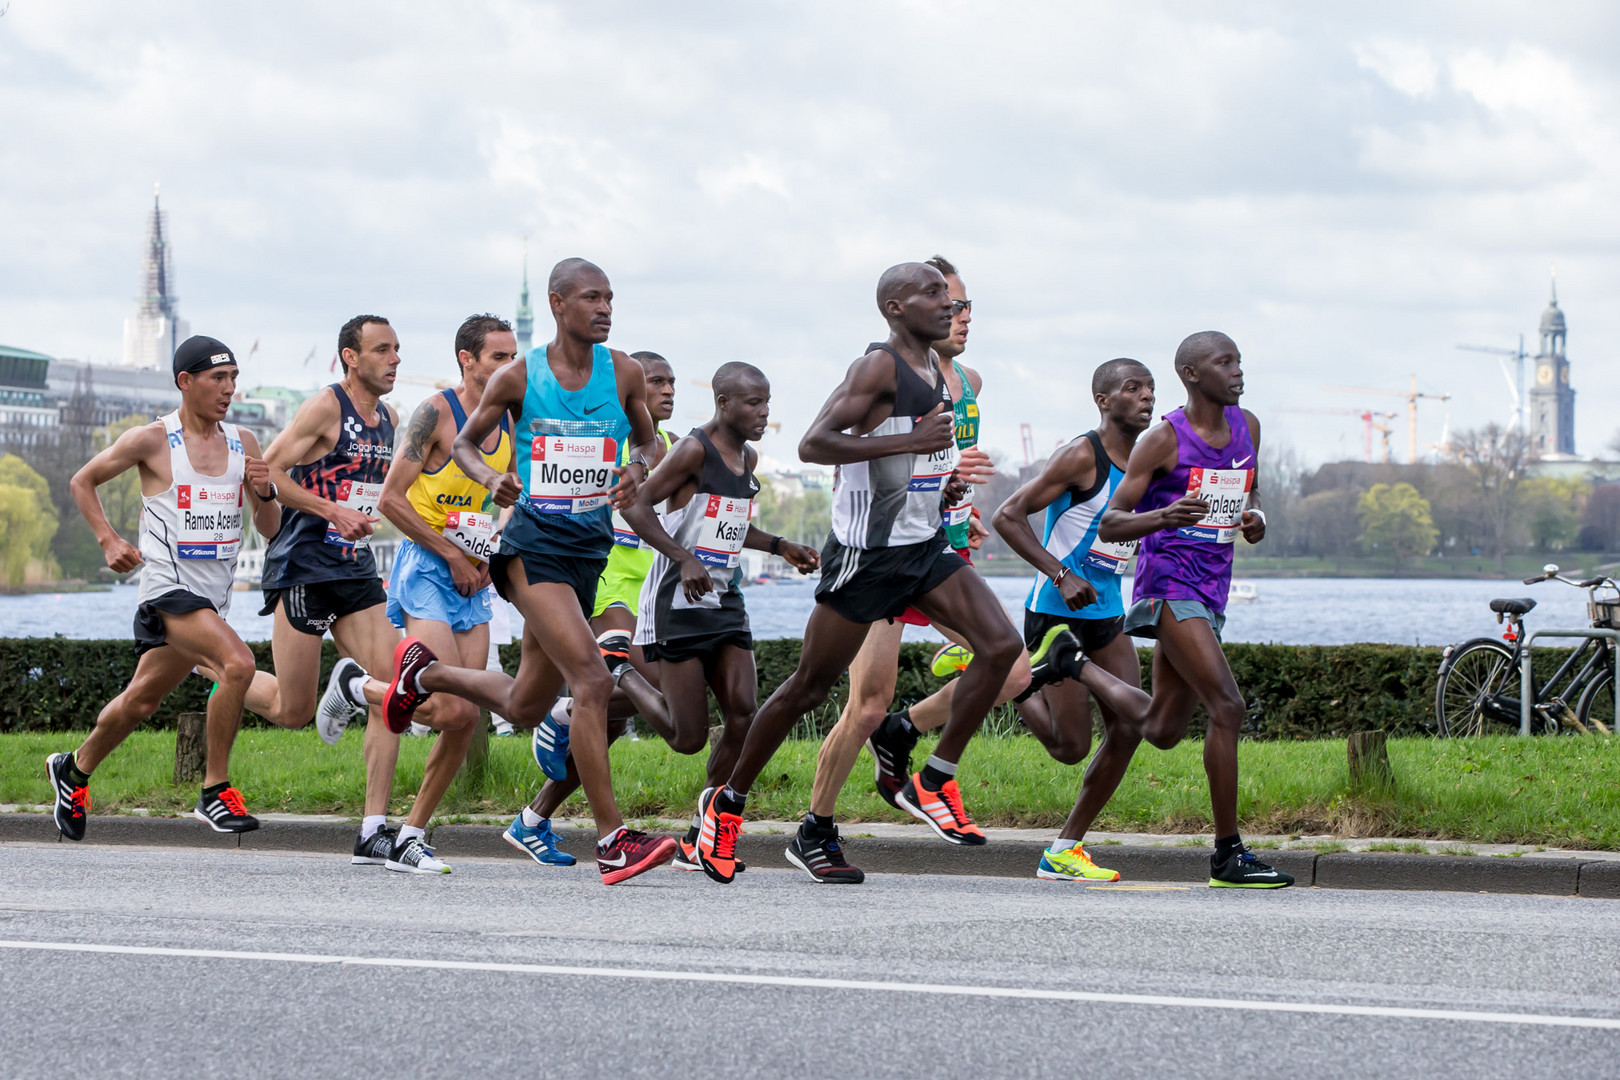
234	963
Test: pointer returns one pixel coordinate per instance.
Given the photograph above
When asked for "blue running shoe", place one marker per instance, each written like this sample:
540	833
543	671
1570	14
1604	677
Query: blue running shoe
551	745
538	843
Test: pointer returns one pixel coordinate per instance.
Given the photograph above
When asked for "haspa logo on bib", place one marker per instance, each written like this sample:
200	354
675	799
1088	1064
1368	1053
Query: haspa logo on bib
186	496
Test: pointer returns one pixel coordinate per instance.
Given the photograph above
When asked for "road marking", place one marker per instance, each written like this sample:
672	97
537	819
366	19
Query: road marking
1140	888
1392	1012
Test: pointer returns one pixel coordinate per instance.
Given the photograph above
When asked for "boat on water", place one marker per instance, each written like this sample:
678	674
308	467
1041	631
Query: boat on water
249	569
1242	592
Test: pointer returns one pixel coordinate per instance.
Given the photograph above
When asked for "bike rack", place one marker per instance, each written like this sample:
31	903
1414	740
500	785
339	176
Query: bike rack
1526	678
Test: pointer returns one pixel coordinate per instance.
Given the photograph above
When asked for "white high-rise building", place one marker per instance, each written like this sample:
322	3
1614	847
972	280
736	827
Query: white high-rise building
156	329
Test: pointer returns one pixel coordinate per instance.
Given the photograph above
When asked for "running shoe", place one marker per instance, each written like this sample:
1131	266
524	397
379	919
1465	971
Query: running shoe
633	853
686	858
538	843
413	856
1057	657
615	646
819	853
375	849
410	658
1072	865
717	838
891	746
72	800
224	811
550	743
1241	870
950	660
337	705
941	810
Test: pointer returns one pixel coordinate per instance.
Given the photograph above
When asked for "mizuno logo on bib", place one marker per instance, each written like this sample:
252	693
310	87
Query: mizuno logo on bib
570	474
1227	493
1109	556
930	471
210	521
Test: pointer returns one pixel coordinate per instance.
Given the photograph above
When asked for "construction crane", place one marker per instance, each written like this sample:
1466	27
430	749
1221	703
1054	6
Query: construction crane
1411	397
1369	425
1515	381
1028	436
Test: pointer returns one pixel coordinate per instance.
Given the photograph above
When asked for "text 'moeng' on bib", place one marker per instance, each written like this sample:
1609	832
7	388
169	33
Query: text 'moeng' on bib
1227	493
210	521
571	474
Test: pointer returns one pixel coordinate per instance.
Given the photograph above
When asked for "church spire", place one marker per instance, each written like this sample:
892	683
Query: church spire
524	323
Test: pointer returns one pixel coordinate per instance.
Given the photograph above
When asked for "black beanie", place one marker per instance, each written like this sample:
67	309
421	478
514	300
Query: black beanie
200	353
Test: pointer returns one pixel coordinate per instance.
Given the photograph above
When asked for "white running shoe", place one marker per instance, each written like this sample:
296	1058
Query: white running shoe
413	856
337	707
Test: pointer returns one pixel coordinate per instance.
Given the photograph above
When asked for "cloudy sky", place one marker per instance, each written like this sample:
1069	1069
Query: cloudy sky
1349	190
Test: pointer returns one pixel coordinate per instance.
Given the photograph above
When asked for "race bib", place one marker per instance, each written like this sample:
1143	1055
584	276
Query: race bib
624	535
725	526
962	511
570	474
210	521
1227	493
930	471
471	532
362	499
1108	556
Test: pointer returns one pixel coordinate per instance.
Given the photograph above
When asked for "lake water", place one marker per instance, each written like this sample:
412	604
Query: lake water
1298	611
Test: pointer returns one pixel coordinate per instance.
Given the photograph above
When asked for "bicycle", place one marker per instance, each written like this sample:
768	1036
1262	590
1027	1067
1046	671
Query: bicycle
1478	689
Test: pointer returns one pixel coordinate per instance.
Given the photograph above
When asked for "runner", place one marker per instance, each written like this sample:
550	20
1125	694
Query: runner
693	624
194	468
1081	591
864	719
889	429
572	402
438	587
1188	492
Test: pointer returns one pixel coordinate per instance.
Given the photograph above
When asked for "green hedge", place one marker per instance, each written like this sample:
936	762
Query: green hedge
1293	691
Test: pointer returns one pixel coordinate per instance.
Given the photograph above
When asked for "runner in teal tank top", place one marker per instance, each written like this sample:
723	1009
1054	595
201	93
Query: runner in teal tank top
572	402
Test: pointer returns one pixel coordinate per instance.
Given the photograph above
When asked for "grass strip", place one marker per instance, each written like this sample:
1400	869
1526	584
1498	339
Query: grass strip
1560	792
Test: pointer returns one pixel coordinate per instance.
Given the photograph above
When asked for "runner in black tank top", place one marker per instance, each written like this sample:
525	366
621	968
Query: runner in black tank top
916	303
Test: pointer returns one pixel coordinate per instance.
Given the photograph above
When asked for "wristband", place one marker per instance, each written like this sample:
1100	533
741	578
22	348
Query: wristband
1063	572
1259	513
776	545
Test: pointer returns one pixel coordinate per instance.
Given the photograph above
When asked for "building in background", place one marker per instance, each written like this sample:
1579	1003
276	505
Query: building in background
1552	399
524	323
156	329
25	410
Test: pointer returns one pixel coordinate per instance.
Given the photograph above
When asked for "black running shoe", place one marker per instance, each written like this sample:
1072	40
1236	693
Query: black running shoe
1054	659
72	800
1241	870
224	811
891	748
375	850
818	853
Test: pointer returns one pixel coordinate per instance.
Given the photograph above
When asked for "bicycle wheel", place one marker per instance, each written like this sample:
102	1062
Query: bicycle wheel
1478	691
1598	701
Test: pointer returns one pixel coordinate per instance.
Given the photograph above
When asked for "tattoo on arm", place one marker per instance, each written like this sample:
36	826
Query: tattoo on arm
420	436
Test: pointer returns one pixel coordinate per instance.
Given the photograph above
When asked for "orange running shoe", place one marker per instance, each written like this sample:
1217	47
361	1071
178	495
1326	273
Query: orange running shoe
717	838
941	810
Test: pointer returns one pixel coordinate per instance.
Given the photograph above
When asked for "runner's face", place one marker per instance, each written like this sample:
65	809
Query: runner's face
208	393
748	411
1129	406
926	310
955	343
586	314
1219	374
660	390
500	347
375	365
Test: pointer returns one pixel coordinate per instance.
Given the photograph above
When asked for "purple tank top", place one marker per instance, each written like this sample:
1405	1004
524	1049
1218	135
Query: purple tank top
1195	562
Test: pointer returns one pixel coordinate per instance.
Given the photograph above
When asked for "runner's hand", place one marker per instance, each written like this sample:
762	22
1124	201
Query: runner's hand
623	496
695	579
506	490
975	466
484	580
256	474
954	489
977	533
1187	510
1253	527
469	579
121	555
352	525
1076	591
934	432
801	557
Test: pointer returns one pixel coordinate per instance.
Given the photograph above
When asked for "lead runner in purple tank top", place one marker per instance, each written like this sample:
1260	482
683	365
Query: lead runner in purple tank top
1189	492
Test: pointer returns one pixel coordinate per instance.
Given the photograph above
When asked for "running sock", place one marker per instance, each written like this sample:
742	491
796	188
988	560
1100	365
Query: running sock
79	778
370	824
607	841
532	820
903	717
814	822
559	711
1061	844
729	801
1226	846
936	772
357	687
215	789
408	831
417	682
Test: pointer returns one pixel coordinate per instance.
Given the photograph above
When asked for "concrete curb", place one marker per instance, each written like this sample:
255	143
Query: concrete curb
1547	875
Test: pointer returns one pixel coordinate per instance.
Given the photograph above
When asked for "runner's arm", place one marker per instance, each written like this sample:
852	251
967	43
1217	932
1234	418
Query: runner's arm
1154	454
681	465
1253	525
421	439
1073	466
645	446
868	381
256	475
128	451
502	396
802	557
314	418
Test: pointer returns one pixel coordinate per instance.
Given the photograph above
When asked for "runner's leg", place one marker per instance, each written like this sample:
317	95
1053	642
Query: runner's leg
1120	735
287	697
735	682
370	638
963	601
157	673
455	719
1190	646
872	676
204	638
932	711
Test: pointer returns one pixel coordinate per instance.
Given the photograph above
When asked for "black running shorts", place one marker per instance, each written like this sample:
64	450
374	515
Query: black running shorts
581	575
1093	633
880	583
150	632
691	648
313	608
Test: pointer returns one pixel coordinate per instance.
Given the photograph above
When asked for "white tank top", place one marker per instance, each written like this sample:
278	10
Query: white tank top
191	532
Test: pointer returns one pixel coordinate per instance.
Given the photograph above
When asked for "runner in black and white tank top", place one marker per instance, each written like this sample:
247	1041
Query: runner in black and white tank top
191	532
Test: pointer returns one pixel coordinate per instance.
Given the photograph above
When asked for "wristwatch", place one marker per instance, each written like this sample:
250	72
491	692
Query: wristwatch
776	544
270	497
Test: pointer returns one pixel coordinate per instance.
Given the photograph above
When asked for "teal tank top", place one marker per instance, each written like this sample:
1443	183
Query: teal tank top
1071	538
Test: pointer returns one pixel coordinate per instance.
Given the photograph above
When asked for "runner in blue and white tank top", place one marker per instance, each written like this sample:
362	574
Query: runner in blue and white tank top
571	403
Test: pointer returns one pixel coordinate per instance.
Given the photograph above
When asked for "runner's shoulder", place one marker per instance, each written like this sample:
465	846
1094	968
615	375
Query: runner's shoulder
1254	423
1157	446
320	409
973	377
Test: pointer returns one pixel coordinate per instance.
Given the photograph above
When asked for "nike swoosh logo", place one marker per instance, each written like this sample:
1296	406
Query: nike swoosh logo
1235	464
610	862
1268	873
601	406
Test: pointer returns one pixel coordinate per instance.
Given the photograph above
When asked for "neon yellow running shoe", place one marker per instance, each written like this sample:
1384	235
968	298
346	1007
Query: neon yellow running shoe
1072	865
950	660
